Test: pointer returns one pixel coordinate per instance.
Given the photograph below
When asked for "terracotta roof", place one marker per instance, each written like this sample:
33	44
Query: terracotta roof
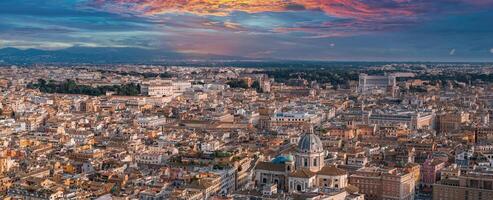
271	166
331	170
351	189
302	173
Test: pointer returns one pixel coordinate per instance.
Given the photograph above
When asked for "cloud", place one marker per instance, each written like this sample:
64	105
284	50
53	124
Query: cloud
337	8
491	50
452	52
294	29
342	17
356	9
20	44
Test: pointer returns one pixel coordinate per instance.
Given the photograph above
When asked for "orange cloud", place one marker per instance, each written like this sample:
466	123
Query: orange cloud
337	8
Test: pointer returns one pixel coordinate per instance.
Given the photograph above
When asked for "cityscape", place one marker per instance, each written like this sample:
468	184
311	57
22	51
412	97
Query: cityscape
246	100
394	131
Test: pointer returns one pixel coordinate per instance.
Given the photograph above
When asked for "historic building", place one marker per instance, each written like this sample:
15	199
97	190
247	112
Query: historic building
303	172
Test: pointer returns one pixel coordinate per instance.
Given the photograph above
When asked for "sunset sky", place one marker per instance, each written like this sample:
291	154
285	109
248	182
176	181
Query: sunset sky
369	30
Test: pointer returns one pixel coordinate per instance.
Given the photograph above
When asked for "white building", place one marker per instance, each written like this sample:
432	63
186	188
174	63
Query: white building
411	119
164	88
288	117
210	146
83	137
151	157
152	121
157	88
376	84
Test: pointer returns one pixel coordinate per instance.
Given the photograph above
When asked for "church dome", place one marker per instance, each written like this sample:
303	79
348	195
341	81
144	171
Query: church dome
310	143
280	160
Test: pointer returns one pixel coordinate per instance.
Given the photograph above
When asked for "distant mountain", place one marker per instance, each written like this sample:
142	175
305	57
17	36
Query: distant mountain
102	55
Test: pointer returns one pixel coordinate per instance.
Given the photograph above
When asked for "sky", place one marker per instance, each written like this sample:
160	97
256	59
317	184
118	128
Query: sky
333	30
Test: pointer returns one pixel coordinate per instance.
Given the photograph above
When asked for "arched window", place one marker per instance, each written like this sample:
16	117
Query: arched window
298	187
264	180
305	162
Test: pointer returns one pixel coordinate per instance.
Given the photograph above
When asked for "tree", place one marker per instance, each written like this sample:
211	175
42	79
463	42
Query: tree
71	87
256	86
41	82
238	84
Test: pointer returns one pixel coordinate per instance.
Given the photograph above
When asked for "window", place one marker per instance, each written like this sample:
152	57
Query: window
305	162
488	185
298	187
264	180
314	162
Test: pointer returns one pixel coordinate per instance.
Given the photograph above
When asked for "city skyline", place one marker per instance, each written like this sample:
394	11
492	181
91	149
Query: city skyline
246	99
339	30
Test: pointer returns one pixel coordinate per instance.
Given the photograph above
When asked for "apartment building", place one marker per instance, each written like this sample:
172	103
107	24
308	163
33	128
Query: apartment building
384	184
475	184
413	120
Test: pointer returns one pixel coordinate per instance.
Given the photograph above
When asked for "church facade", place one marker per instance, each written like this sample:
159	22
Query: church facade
304	172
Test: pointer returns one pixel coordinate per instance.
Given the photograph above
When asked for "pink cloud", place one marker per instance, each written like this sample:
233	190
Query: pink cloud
358	16
337	8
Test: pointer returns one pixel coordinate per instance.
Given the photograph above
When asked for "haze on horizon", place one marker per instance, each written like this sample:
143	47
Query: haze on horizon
372	30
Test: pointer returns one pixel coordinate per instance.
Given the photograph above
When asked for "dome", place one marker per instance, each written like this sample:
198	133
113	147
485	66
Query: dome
310	143
280	160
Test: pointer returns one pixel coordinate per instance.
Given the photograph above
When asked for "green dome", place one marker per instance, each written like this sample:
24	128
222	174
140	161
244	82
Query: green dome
290	157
